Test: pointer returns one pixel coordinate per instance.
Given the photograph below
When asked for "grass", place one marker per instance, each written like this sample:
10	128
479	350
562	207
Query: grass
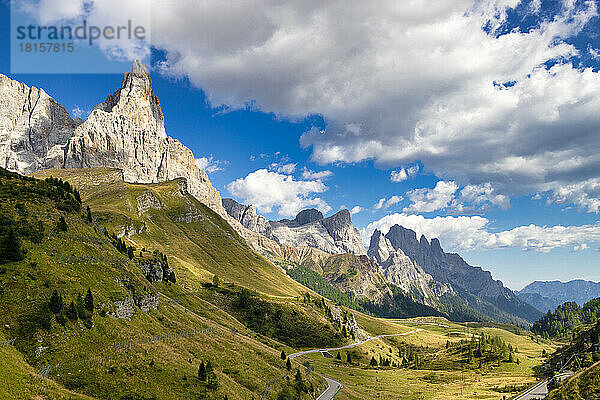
442	378
86	360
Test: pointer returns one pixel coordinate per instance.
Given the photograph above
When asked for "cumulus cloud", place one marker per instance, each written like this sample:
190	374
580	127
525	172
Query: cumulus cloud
429	200
356	210
403	174
269	190
79	112
308	174
473	232
386	203
283	168
445	84
479	197
209	164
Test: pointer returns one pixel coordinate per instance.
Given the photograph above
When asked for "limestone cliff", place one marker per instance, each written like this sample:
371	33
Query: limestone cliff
400	270
471	283
333	235
126	131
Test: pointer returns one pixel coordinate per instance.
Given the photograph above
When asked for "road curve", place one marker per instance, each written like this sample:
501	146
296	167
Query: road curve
301	353
334	386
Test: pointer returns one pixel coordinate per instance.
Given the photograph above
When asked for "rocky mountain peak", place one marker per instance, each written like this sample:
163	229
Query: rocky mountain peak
453	270
307	216
126	132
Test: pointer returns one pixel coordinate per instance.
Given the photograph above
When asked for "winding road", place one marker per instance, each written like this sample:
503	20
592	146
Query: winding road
334	386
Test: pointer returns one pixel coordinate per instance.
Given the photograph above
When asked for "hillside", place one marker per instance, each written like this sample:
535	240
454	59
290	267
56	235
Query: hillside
164	216
567	319
92	315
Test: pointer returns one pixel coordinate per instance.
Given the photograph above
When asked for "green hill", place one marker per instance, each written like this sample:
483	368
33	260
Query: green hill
137	335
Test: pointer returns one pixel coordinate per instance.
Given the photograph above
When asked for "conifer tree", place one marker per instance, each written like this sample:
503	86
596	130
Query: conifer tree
56	303
202	372
288	364
62	224
283	356
89	301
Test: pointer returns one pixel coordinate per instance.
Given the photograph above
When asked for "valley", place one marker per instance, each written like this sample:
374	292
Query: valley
124	275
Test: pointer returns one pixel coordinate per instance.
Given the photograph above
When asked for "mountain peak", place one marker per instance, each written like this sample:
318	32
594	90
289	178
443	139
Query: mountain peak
139	69
307	216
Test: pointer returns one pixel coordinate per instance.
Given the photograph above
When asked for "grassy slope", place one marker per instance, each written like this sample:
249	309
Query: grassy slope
199	249
442	379
91	364
585	385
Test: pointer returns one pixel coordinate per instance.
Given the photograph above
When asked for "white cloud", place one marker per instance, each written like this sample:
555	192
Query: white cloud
594	53
269	190
470	233
429	200
209	164
356	210
308	174
79	112
580	247
479	197
403	174
402	81
398	176
386	203
283	168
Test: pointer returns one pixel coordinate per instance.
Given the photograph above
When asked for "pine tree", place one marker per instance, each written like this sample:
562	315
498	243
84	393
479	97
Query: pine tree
299	384
10	246
202	372
211	380
71	311
89	301
373	362
283	356
81	313
348	358
88	214
56	303
62	224
288	364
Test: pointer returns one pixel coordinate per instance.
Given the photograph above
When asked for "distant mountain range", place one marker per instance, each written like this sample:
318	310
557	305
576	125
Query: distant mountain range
547	295
418	267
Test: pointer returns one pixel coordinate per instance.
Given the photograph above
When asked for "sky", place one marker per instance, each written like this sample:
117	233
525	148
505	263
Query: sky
473	121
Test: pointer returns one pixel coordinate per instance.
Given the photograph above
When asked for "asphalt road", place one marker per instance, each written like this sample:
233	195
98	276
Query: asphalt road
540	390
334	386
301	353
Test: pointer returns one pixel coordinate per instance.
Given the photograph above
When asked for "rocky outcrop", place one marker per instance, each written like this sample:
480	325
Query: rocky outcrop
126	132
34	129
246	215
333	235
467	281
400	270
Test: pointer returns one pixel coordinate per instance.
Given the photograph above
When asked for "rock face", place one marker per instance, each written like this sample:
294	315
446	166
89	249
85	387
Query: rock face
34	129
247	216
333	235
126	131
464	279
400	270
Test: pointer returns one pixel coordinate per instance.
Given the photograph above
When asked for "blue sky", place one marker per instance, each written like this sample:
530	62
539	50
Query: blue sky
500	148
